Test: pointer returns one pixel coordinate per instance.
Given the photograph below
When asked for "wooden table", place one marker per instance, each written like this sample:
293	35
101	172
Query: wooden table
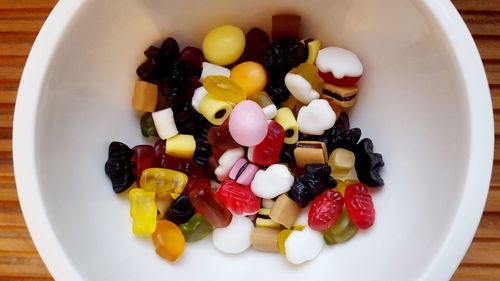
20	21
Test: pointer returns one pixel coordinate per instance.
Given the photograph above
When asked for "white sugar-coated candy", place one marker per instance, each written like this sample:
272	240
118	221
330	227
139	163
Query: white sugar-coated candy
209	69
275	180
165	123
198	95
270	111
302	246
267	203
227	161
303	218
234	238
316	117
300	88
340	62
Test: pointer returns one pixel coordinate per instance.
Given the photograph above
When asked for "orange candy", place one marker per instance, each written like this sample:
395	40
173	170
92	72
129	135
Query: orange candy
251	76
168	240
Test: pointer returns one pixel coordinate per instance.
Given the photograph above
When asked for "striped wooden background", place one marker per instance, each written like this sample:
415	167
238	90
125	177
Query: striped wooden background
20	21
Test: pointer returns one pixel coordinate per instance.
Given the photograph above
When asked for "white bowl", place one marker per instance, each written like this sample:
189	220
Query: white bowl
424	101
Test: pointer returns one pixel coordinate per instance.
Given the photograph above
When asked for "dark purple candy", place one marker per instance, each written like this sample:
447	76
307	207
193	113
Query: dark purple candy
152	52
119	166
180	211
256	42
368	164
146	71
280	57
202	152
287	153
193	58
319	171
185	118
169	51
305	188
277	91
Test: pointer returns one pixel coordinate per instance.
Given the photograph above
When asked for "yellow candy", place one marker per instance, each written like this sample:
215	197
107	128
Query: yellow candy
342	162
224	45
224	88
181	146
214	110
143	211
145	96
251	76
342	185
313	49
163	181
287	120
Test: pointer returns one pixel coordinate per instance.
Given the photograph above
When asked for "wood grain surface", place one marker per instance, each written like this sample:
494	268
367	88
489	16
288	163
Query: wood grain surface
20	21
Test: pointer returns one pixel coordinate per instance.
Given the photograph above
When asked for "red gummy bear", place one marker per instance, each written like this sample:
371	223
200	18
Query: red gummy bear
144	157
325	210
239	199
359	205
219	137
195	182
166	161
268	151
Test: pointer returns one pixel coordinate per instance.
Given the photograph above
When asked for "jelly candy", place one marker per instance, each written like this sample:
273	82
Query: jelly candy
224	88
196	228
239	199
272	182
165	123
343	184
163	181
305	189
265	239
168	241
163	203
181	146
169	51
193	57
325	209
321	172
202	152
302	246
227	161
247	123
339	66
284	211
368	164
224	45
206	203
210	69
316	117
251	76
257	41
341	231
146	71
267	152
181	210
359	205
285	27
266	103
214	110
286	119
344	139
194	182
345	97
148	128
304	83
281	56
342	162
277	91
143	211
312	50
144	157
234	238
119	166
310	152
243	172
220	137
145	96
185	118
287	155
173	163
151	52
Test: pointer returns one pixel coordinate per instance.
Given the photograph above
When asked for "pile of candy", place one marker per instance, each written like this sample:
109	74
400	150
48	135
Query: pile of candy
253	145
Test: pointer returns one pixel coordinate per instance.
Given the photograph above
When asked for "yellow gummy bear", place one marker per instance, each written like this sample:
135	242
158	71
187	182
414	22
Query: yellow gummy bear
143	211
163	181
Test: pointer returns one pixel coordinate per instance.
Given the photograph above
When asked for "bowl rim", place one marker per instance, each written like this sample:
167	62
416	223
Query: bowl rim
477	178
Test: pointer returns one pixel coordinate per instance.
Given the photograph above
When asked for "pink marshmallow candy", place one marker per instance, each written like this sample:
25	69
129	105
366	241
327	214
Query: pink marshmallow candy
247	123
243	172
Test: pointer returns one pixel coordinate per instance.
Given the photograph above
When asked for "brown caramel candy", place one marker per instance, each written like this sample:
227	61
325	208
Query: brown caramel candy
265	239
310	152
285	211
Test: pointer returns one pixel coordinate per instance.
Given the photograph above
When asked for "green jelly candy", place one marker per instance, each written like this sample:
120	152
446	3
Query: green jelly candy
148	128
341	231
196	228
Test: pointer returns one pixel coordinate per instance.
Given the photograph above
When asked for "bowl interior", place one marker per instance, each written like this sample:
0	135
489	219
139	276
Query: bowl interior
412	104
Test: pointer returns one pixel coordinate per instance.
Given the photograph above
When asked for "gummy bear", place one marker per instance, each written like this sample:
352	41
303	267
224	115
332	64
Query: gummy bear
305	189
143	211
144	157
148	128
268	151
341	231
163	181
173	163
321	172
119	166
257	41
368	164
194	182
325	209
181	210
359	205
219	136
206	203
239	199
168	240
196	228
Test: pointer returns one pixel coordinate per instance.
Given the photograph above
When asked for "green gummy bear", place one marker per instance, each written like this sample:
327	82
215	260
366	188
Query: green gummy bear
148	128
196	228
341	231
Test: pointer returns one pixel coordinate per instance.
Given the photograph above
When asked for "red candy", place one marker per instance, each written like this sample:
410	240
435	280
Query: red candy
166	161
239	199
219	137
268	151
144	157
359	205
208	205
195	182
325	210
343	82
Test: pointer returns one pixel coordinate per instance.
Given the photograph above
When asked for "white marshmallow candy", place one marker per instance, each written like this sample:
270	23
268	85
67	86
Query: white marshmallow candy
302	246
316	117
234	238
209	69
198	95
270	111
303	218
275	180
340	62
300	88
165	123
227	161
